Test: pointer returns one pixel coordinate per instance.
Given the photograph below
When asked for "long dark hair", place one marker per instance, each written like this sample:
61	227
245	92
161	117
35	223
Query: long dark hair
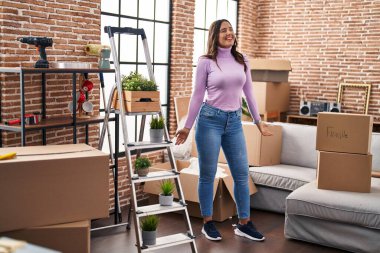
212	44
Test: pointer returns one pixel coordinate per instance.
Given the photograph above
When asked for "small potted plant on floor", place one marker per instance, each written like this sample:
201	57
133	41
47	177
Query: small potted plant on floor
166	195
156	129
149	226
139	94
142	165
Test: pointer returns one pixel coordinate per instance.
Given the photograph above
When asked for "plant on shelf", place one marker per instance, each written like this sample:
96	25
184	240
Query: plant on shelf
149	226
136	82
166	195
157	129
142	165
139	94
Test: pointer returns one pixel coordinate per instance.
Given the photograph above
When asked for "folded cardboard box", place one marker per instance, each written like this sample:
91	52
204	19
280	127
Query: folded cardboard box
264	70
224	205
344	171
344	132
271	97
53	184
261	150
66	238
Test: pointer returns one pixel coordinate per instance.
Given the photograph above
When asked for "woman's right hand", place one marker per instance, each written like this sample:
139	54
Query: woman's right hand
182	135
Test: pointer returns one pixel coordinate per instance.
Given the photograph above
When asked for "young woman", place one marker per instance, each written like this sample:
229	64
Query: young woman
224	73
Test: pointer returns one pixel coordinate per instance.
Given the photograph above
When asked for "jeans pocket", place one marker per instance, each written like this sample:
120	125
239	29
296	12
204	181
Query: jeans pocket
207	113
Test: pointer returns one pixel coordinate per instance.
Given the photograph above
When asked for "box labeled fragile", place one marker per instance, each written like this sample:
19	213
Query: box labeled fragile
53	184
344	171
69	237
344	132
138	101
223	205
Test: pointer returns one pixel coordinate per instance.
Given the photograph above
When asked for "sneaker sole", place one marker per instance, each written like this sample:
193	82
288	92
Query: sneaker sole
239	233
210	238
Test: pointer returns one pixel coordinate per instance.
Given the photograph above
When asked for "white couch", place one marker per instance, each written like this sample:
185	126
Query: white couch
345	220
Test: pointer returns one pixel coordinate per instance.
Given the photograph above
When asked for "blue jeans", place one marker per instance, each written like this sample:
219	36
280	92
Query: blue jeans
217	128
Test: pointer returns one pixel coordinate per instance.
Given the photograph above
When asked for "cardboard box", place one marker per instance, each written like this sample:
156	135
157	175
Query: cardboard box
66	238
264	70
224	205
344	132
261	150
271	97
344	171
53	184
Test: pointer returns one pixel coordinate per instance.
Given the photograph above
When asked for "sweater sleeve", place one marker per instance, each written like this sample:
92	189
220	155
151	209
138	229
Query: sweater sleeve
198	92
248	91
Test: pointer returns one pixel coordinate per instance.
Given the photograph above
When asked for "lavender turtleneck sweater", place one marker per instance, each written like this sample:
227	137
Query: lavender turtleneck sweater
224	86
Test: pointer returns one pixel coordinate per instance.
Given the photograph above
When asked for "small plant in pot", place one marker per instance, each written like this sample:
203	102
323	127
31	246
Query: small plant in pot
149	226
157	129
142	165
166	195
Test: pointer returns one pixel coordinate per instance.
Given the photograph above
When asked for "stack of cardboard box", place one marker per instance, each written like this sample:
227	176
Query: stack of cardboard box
48	194
261	150
270	85
344	152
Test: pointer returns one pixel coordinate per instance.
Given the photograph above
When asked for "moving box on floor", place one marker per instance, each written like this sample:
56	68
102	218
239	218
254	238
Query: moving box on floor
67	238
46	185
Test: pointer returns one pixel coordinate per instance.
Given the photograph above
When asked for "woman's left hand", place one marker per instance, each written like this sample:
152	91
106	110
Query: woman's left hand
264	129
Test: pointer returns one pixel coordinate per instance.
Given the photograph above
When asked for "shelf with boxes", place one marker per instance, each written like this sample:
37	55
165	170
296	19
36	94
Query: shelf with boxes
46	123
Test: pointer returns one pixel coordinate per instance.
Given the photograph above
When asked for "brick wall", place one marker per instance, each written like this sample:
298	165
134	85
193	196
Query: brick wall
181	54
247	33
328	42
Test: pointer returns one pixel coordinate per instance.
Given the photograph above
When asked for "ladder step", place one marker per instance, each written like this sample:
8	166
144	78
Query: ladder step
148	145
138	113
158	209
168	241
156	175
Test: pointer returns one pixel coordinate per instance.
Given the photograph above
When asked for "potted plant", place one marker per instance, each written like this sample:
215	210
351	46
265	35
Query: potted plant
166	195
142	165
149	226
139	94
246	116
157	129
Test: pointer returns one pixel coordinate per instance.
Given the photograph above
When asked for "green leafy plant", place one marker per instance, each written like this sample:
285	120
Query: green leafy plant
244	108
157	123
149	223
136	82
167	187
142	163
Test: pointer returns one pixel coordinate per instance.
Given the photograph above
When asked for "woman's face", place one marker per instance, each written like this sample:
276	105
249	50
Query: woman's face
226	35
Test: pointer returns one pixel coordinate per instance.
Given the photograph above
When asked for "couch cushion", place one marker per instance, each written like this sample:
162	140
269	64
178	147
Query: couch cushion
375	150
361	209
298	145
282	176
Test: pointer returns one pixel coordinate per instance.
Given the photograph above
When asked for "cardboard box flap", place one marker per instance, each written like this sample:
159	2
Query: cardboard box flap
229	182
181	105
274	65
49	152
